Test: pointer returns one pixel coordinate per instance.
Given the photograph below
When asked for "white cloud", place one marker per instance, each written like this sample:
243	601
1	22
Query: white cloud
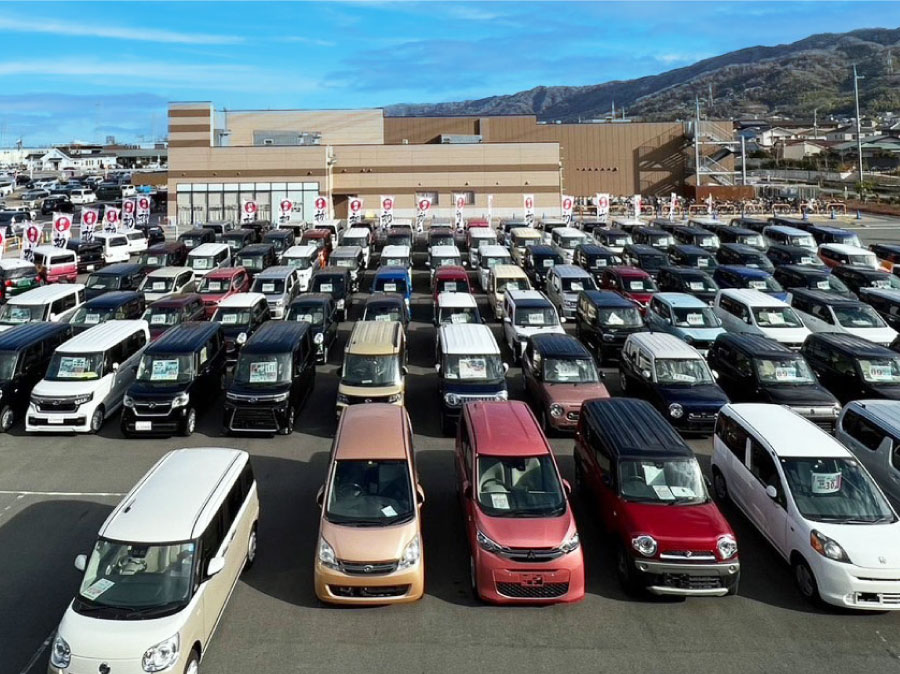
142	34
672	58
305	40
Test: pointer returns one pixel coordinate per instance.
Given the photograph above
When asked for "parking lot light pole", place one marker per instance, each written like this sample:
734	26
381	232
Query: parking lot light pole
856	79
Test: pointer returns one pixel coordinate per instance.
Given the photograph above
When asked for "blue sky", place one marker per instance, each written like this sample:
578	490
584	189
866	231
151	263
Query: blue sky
85	70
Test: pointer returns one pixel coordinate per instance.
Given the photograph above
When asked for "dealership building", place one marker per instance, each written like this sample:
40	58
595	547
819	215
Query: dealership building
219	158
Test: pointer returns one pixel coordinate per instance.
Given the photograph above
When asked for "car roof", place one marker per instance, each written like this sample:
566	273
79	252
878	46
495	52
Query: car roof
113	299
885	411
278	233
372	431
102	336
805	270
859	269
166	272
663	345
852	344
510	270
242	300
374	337
568	231
223	272
845	249
26	333
628	272
615	231
825	298
357	231
15	263
752	298
332	270
607	298
279	271
452	300
166	247
520	296
276	337
643	249
542	249
172	502
790	248
686	271
634	428
594	249
525	233
679	300
890	294
445	249
302	250
783	229
318	298
785	431
570	271
123	268
691	249
505	428
493	249
742	248
175	300
559	346
452	270
208	249
387	251
51	250
467	338
391	271
107	235
755	345
741	270
44	294
256	248
185	337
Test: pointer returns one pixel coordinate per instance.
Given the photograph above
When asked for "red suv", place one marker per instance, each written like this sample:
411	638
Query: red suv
221	283
669	536
450	279
523	541
631	283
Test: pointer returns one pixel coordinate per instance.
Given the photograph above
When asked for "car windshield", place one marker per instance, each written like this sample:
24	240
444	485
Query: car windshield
252	262
536	317
313	314
346	262
191	241
263	369
638	285
861	316
682	371
166	369
776	317
862	260
617	241
390	285
362	370
200	263
395	262
880	370
268	286
91	316
370	493
298	262
15	314
158	284
519	486
360	241
276	241
570	371
214	286
75	367
458	315
446	261
883	281
835	490
574	285
137	576
383	312
601	261
229	316
328	284
699	284
546	261
620	317
783	371
669	481
162	316
754	240
8	364
569	242
472	367
488	261
765	284
149	260
804	241
695	317
830	284
399	240
103	281
442	240
452	286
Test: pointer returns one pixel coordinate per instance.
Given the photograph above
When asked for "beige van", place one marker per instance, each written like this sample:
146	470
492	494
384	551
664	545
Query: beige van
503	276
370	536
374	365
520	240
163	568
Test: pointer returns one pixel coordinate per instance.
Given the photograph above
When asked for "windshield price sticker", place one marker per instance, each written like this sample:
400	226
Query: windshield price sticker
535	319
881	284
450	287
772	317
152	260
706	241
695	319
678	376
636	285
548	263
388	511
615	319
230	319
822	285
702	262
384	317
806	260
695	285
599	262
92	319
390	287
663	492
459	318
880	372
98	588
785	373
758	285
164	370
567	369
826	483
304	318
202	263
472	368
263	373
159	285
683	492
577	285
73	366
214	286
326	287
158	319
268	288
500	501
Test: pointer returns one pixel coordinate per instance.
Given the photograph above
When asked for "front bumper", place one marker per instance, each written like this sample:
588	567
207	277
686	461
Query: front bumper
698	580
567	421
167	422
360	400
858	587
693	421
503	581
398	587
82	665
69	421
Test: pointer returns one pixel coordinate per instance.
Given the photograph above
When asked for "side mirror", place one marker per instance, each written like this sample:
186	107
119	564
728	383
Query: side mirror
567	487
562	319
667	321
437	368
81	562
602	375
506	319
715	374
645	374
215	565
505	368
771	492
420	494
320	496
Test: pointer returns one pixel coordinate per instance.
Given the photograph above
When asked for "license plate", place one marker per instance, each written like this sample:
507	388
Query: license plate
55	420
91	267
143	425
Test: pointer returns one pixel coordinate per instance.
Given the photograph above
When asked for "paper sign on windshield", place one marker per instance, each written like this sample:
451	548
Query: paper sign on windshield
826	483
459	318
695	285
599	262
202	263
263	373
500	501
615	319
229	318
882	372
152	260
215	286
73	366
772	317
785	374
577	285
881	284
663	493
326	287
164	370
384	317
450	287
268	288
390	287
636	285
683	492
159	285
307	318
158	319
548	262
535	319
806	260
822	285
472	368
567	370
702	262
92	319
757	285
695	319
97	588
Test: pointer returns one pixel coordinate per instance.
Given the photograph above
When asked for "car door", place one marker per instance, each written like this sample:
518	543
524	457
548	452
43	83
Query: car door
531	365
735	439
767	513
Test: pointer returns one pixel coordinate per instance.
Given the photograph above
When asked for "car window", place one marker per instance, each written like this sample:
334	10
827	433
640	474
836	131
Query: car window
862	430
762	465
734	437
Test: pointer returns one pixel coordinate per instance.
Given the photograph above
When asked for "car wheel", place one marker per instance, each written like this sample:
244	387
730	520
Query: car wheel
7	417
805	581
97	419
193	664
625	571
252	544
720	486
190	423
288	427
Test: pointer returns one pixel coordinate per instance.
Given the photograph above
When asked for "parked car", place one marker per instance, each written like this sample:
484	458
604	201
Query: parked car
362	237
824	312
741	254
604	320
54	302
179	374
613	239
631	283
89	254
565	240
799	276
279	285
696	236
305	260
450	280
117	305
454	308
173	310
789	236
240	316
754	312
836	255
167	280
780	255
687	280
853	368
857	278
116	247
121	276
886	302
686	317
520	240
734	276
813	501
194	238
564	283
393	280
281	239
595	259
336	282
538	261
888	255
319	311
321	239
871	430
16	277
238	239
374	368
386	307
644	483
824	234
693	257
60	264
56	203
475	239
650	236
527	313
172	254
208	256
741	235
490	256
752	368
351	258
221	283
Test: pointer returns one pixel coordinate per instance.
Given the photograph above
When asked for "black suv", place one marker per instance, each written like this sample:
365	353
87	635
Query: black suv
319	311
813	278
856	278
90	254
853	368
689	280
741	253
119	276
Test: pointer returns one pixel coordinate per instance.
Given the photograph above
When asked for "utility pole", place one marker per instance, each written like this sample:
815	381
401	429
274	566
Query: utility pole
743	159
710	95
856	79
816	124
697	139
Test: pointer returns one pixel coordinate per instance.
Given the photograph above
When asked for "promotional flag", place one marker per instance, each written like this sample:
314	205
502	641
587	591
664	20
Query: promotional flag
459	204
89	218
387	211
62	229
285	209
673	201
601	201
490	199
129	211
321	213
528	202
354	209
142	211
568	204
33	233
709	203
112	218
423	206
249	209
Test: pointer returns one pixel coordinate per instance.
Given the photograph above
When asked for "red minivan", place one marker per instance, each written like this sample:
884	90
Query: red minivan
221	283
450	279
631	283
645	484
523	542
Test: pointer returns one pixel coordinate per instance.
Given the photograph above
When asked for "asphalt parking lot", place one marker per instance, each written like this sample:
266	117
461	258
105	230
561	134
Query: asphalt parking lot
55	491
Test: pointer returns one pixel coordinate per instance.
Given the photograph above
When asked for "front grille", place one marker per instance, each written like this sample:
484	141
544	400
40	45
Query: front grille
878	599
543	591
368	591
253	419
146	408
66	421
531	555
54	404
367	568
688	556
684	581
354	400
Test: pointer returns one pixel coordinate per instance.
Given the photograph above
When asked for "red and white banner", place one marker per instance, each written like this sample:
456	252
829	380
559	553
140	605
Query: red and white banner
89	218
709	203
321	212
249	210
673	202
568	204
490	200
62	229
143	210
129	212
528	204
459	205
285	211
354	209
32	237
387	211
601	201
112	219
636	205
423	206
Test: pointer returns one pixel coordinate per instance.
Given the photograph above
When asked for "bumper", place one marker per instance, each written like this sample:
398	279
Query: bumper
341	406
696	580
157	424
567	421
503	581
693	422
77	421
81	665
857	587
398	587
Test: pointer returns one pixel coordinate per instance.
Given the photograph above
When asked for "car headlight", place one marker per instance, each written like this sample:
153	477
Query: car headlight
319	338
181	400
60	653
161	656
395	398
326	554
281	397
241	338
451	399
827	547
556	410
573	542
676	411
343	399
82	399
646	545
411	554
127	401
486	543
727	546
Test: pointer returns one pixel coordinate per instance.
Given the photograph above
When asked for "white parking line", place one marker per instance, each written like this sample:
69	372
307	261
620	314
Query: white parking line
5	492
38	653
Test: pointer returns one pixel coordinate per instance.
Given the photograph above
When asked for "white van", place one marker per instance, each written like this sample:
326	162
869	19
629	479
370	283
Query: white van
304	260
137	240
396	256
163	568
208	256
167	281
56	302
116	247
755	312
527	313
814	501
87	378
359	236
82	196
489	256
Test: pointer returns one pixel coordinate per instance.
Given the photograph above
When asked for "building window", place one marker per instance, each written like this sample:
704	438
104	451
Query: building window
431	196
198	203
469	196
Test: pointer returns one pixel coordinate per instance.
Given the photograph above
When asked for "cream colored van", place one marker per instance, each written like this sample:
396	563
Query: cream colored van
501	277
520	240
163	568
374	369
370	536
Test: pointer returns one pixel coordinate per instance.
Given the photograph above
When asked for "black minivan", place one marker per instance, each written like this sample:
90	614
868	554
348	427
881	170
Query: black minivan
90	254
853	368
695	282
121	305
25	352
119	276
273	378
180	373
336	282
603	321
319	311
755	369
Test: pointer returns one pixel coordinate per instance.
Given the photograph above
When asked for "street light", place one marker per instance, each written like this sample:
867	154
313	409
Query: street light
856	79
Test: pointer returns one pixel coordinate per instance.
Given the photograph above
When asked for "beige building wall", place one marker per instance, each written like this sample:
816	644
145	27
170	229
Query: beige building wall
338	127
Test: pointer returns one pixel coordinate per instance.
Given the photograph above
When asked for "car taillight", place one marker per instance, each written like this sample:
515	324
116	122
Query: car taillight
9	284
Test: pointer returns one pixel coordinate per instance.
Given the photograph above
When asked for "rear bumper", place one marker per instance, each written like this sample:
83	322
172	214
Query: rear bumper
697	580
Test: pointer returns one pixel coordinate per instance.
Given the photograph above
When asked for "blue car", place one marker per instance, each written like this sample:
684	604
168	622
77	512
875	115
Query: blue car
685	316
733	276
393	280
